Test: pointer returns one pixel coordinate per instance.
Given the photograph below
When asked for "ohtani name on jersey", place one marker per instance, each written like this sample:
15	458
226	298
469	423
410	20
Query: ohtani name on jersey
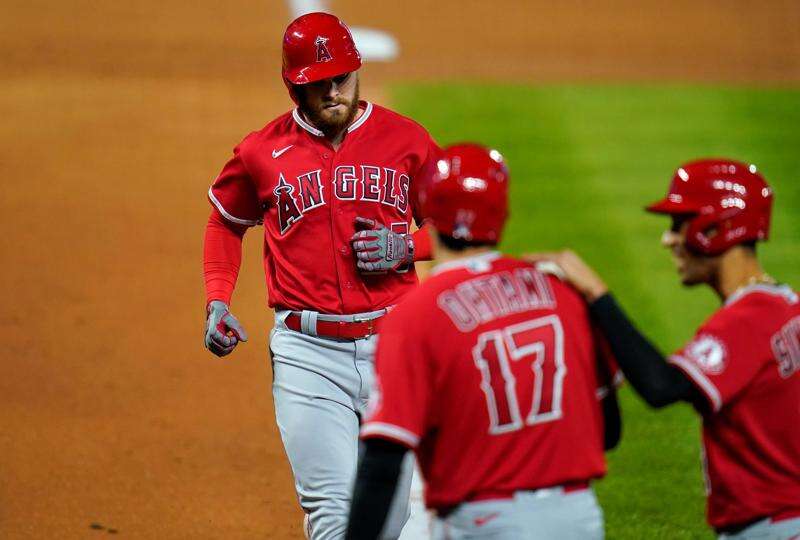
380	185
486	298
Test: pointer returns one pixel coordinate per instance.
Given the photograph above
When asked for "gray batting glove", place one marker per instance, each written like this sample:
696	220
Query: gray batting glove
379	249
223	331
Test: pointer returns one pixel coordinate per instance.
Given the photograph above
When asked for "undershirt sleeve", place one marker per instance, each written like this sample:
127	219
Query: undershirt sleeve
376	482
423	178
658	382
423	244
222	256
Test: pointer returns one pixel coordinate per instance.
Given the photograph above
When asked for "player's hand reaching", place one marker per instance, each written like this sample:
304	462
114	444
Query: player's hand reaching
574	271
223	331
378	249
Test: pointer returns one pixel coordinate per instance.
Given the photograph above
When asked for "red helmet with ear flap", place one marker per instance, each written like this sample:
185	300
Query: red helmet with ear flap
727	202
468	196
317	46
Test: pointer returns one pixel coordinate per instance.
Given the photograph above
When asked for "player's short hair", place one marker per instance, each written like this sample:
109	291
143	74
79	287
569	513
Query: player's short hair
750	244
459	244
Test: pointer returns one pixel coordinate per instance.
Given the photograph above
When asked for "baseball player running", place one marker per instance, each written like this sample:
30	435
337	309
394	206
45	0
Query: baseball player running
491	373
334	184
741	370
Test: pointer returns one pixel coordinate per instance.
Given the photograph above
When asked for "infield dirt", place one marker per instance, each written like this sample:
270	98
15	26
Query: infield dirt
117	116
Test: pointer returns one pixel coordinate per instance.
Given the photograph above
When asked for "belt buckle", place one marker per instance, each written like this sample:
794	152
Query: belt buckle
370	325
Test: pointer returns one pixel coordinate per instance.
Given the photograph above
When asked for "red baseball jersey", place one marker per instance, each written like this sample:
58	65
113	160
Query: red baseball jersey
490	371
307	195
745	361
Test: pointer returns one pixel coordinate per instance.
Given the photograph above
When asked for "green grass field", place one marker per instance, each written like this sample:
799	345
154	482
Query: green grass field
584	160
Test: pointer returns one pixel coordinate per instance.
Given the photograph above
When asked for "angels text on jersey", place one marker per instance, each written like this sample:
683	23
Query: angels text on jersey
294	197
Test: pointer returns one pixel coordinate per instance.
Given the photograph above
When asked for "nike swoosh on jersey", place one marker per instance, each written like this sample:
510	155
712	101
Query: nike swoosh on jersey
278	153
481	521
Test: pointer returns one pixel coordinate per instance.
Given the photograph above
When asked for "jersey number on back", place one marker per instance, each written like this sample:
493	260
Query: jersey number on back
539	342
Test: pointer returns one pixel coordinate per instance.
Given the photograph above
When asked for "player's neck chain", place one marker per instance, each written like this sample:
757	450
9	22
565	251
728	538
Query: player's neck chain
760	279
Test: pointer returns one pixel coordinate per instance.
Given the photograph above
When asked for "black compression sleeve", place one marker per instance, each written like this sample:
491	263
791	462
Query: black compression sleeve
375	486
657	381
612	420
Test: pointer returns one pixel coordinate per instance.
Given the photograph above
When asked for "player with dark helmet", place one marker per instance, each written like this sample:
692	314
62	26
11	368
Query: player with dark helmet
741	371
492	374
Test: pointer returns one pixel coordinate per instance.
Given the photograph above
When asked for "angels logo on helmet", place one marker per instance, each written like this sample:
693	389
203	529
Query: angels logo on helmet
323	54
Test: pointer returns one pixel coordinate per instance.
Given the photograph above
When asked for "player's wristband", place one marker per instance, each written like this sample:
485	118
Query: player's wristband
410	248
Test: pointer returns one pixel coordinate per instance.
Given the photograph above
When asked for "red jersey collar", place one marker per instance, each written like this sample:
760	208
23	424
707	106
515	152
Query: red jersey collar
298	118
775	290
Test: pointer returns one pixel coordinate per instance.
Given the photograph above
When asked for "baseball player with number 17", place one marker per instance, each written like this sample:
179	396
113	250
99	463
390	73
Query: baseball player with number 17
334	184
490	371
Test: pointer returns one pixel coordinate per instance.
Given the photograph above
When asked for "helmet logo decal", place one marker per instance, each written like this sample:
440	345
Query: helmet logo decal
463	224
323	54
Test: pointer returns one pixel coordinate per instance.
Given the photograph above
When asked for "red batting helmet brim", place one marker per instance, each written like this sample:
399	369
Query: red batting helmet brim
667	206
318	72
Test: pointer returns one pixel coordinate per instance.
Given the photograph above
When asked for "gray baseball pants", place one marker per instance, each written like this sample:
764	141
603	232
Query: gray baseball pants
544	514
766	529
320	387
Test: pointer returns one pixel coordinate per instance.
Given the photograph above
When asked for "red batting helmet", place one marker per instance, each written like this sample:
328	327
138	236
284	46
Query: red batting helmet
317	46
728	202
468	197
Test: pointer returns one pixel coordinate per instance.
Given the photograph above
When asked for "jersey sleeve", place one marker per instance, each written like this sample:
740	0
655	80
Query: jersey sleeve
234	194
721	359
400	402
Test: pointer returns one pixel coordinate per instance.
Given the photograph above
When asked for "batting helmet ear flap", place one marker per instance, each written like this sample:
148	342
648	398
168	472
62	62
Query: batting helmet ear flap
292	92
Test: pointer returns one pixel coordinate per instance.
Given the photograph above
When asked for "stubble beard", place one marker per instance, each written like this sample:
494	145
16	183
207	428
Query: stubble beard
699	270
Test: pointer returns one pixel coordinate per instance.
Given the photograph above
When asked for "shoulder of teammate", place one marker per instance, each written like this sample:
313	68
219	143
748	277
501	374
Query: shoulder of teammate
754	312
570	303
562	292
731	347
748	320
